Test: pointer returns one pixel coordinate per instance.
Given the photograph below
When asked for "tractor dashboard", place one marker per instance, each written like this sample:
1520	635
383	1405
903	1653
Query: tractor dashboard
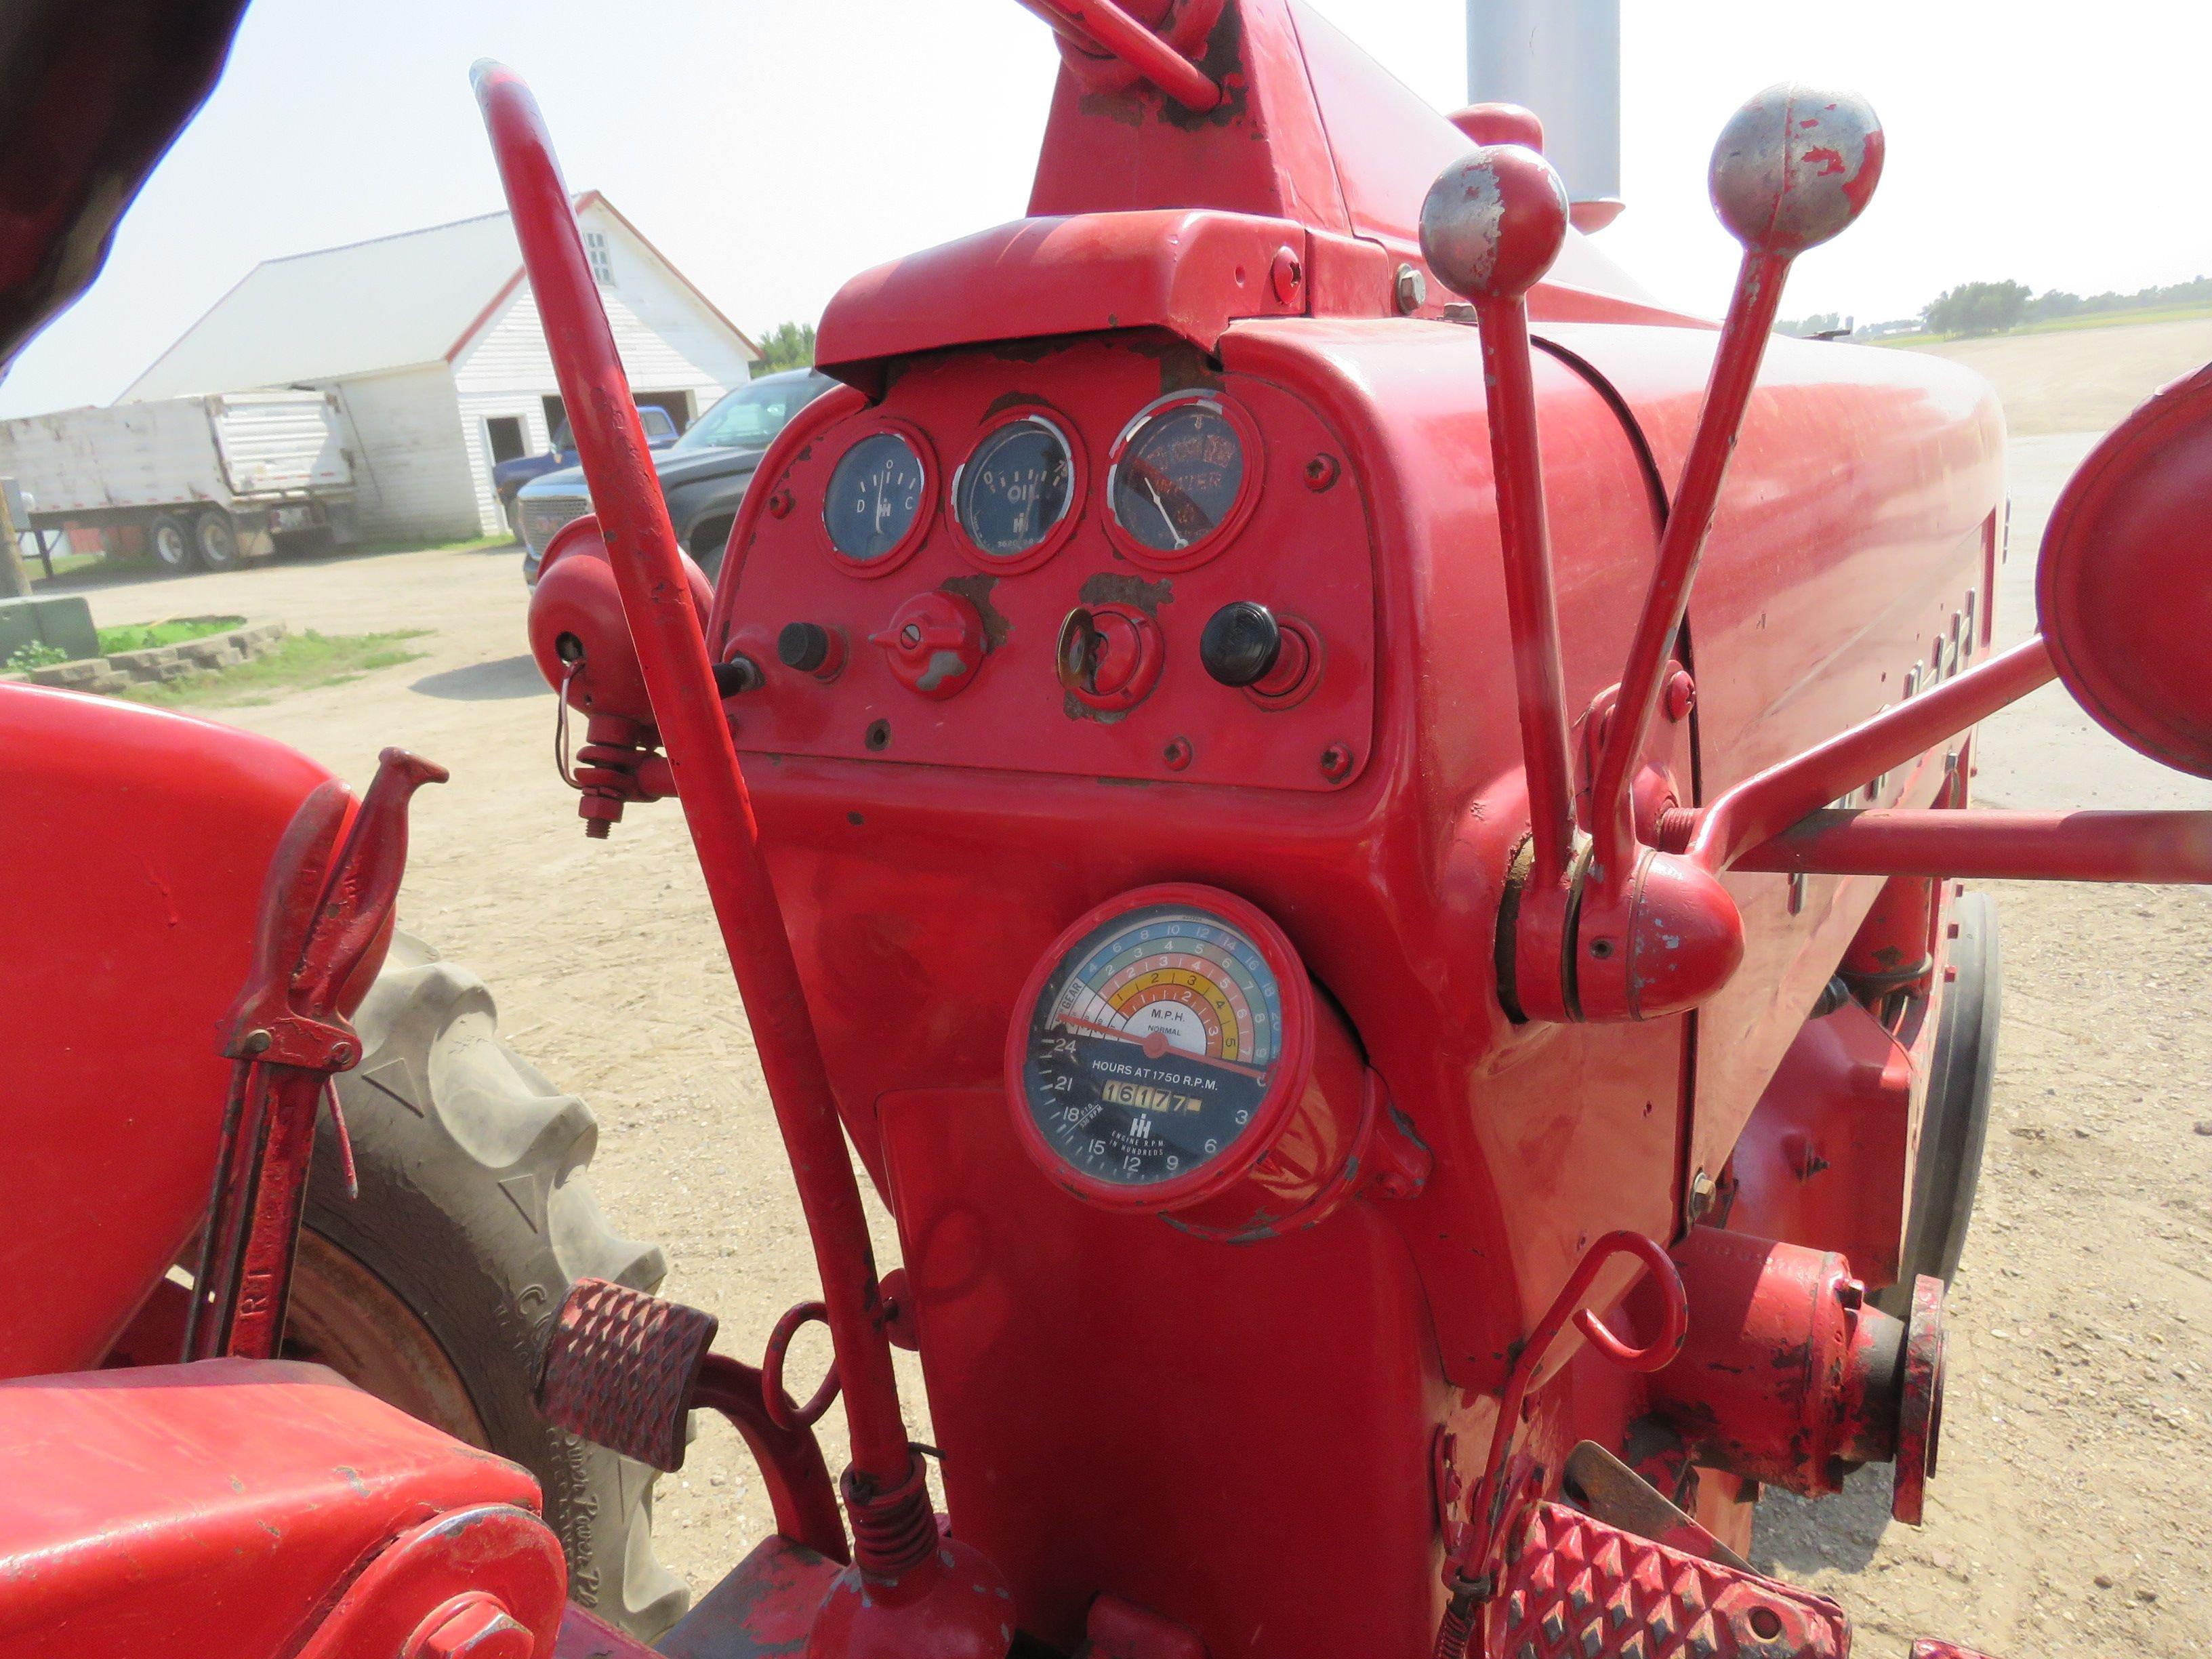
1100	558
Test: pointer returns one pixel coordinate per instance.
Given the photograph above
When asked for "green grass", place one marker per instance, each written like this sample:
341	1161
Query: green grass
2059	326
300	662
144	636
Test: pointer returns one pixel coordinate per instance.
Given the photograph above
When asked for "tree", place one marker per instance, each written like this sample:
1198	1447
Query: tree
1978	308
788	345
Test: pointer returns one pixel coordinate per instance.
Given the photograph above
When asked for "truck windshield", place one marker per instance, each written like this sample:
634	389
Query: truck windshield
749	417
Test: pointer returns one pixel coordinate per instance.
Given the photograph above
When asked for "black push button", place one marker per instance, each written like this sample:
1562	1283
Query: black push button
803	646
1240	643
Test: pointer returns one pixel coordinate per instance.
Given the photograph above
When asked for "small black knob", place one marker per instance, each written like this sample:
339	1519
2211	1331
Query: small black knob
1240	643
803	646
739	675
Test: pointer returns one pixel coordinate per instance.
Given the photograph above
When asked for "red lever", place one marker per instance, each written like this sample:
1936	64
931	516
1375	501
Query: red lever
1793	168
1491	227
657	602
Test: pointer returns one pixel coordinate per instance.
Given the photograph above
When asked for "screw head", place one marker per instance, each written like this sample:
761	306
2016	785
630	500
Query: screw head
1411	288
1681	694
1320	472
1336	763
1493	221
1287	276
1178	754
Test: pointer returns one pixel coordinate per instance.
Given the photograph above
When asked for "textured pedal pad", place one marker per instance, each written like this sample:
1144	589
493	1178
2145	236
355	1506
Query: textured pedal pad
1576	1586
619	1368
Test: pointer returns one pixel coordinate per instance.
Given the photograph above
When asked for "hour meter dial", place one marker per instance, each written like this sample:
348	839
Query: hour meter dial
1181	479
1154	1045
1168	1056
873	511
1015	495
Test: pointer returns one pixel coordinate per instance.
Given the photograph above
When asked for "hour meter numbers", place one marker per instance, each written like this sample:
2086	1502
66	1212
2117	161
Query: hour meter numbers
1015	497
1169	1055
1182	479
874	509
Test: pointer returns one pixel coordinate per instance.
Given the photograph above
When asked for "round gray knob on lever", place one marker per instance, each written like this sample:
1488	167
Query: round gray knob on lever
1794	167
1493	222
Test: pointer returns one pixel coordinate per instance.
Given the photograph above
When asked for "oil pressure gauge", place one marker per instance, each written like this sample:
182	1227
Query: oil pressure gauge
1169	1056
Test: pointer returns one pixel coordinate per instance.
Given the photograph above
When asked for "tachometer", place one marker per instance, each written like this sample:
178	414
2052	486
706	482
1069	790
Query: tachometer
873	510
1182	479
1015	496
1169	1055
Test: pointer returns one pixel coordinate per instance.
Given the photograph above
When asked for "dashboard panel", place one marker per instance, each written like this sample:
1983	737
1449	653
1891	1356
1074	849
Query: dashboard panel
1099	558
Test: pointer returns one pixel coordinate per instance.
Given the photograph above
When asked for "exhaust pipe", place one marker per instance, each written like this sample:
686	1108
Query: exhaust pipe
1562	59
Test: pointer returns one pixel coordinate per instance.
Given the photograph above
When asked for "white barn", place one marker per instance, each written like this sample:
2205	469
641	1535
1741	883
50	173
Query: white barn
430	342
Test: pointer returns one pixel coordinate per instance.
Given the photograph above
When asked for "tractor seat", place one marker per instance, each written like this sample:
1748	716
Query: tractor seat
216	1508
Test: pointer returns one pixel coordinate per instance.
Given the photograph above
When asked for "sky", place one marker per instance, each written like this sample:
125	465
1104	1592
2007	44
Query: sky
772	150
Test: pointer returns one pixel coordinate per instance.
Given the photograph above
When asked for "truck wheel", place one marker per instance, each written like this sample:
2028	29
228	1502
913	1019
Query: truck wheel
434	1289
1955	1122
215	540
170	539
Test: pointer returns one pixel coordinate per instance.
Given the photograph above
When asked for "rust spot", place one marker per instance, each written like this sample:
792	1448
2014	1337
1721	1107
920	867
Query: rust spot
977	590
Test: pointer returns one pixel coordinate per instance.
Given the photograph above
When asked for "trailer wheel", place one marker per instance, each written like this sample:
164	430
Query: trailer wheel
434	1289
171	540
1955	1123
215	540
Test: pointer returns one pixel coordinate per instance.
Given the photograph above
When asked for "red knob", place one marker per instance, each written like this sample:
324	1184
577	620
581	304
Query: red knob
934	644
1494	221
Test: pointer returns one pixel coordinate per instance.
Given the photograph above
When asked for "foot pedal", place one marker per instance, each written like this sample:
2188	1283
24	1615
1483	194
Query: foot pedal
619	1368
1575	1585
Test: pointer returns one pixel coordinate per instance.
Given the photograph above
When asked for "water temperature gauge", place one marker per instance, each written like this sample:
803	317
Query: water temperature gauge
1169	1055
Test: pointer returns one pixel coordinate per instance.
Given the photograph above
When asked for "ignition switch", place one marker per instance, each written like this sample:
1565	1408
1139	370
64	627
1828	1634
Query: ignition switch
934	644
1109	655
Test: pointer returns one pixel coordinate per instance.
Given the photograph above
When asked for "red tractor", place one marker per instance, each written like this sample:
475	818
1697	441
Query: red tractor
1372	876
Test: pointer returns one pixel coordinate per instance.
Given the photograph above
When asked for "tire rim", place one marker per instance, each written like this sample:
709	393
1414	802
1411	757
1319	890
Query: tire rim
170	546
345	1317
218	543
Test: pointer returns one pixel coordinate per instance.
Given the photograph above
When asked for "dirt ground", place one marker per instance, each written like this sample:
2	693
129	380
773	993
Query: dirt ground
2069	1518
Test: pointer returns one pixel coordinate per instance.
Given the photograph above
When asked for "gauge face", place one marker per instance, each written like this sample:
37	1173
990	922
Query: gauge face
875	496
1152	1045
1016	488
1179	477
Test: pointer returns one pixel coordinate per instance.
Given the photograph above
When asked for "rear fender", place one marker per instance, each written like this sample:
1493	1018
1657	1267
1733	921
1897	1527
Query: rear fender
131	858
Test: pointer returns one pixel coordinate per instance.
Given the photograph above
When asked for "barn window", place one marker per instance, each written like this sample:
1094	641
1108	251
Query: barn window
602	258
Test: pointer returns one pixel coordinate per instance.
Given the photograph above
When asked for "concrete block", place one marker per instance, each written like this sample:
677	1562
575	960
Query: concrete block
140	662
79	674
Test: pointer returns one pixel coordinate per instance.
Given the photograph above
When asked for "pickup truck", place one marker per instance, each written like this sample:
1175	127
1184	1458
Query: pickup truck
703	474
509	477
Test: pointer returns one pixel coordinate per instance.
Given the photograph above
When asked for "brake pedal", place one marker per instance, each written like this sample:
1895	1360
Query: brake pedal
620	1367
1575	1585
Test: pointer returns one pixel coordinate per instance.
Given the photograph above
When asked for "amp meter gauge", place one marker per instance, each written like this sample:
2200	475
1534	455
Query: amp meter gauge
1169	1056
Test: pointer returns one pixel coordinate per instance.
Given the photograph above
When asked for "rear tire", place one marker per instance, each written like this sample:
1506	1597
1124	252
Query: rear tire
169	539
215	540
475	1214
1955	1122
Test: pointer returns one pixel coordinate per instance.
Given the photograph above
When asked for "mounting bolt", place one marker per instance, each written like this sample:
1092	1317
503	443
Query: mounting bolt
341	1054
1178	754
1336	763
471	1627
1288	276
1702	1190
1681	694
1411	288
257	1041
1320	472
779	504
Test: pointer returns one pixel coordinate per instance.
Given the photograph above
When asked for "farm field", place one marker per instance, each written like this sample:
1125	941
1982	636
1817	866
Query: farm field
2068	1519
